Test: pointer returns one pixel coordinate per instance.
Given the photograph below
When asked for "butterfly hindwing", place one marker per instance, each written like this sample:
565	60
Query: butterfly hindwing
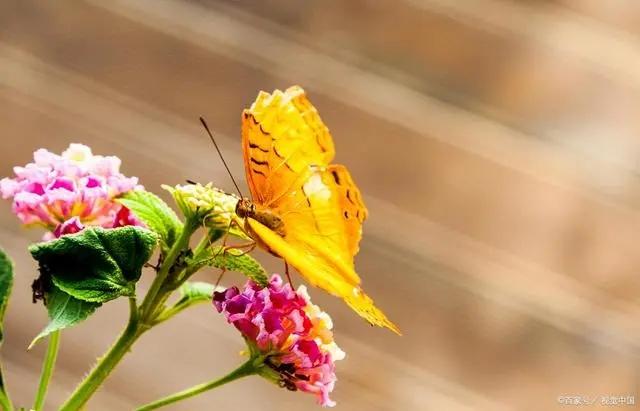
352	208
313	212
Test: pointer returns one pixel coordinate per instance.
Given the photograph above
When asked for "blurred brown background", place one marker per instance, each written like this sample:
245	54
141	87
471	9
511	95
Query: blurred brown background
497	143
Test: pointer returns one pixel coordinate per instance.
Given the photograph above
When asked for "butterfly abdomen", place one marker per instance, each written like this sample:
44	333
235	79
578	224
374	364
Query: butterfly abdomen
270	220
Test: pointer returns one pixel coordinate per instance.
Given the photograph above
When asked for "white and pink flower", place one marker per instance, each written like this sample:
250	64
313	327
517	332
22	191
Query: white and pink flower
64	193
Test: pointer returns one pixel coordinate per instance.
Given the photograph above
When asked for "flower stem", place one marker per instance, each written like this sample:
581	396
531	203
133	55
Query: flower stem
169	313
5	401
209	238
140	320
152	298
47	370
106	364
244	370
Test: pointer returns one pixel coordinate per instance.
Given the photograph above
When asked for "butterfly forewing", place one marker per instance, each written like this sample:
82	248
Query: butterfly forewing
282	135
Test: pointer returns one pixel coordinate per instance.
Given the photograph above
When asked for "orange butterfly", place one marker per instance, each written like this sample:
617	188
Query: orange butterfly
304	209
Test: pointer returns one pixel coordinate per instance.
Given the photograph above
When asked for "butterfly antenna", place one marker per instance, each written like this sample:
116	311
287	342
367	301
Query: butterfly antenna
213	140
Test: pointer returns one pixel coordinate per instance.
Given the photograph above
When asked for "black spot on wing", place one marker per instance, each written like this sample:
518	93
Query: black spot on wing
349	197
336	177
258	172
264	150
315	220
264	131
261	163
275	150
322	147
311	118
280	156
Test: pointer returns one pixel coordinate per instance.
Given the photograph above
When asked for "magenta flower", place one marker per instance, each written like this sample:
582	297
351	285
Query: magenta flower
64	193
294	335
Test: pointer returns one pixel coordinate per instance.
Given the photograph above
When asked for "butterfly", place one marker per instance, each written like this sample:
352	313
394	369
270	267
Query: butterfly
303	208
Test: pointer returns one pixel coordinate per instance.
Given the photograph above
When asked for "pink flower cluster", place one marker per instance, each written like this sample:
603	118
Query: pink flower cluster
293	334
63	193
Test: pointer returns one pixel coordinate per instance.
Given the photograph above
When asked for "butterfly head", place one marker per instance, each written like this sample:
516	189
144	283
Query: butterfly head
245	208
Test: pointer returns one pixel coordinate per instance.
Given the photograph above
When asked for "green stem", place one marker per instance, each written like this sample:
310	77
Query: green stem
180	278
106	364
5	401
244	370
179	307
209	238
152	298
47	370
140	320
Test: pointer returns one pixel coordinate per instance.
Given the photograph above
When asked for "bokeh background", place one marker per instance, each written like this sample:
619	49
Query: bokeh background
497	143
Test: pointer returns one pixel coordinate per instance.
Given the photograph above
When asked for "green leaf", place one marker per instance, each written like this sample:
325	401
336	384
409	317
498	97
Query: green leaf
6	283
196	291
232	260
97	264
155	213
64	311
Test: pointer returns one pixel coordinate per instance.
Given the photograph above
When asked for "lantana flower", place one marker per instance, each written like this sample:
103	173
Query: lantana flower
293	335
64	193
207	204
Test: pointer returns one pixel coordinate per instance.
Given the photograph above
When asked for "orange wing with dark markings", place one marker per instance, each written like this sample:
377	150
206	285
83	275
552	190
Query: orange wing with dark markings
351	204
282	135
287	154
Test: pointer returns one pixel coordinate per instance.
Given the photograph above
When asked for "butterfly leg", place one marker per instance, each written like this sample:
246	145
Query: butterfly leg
222	271
224	240
286	271
224	247
250	246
